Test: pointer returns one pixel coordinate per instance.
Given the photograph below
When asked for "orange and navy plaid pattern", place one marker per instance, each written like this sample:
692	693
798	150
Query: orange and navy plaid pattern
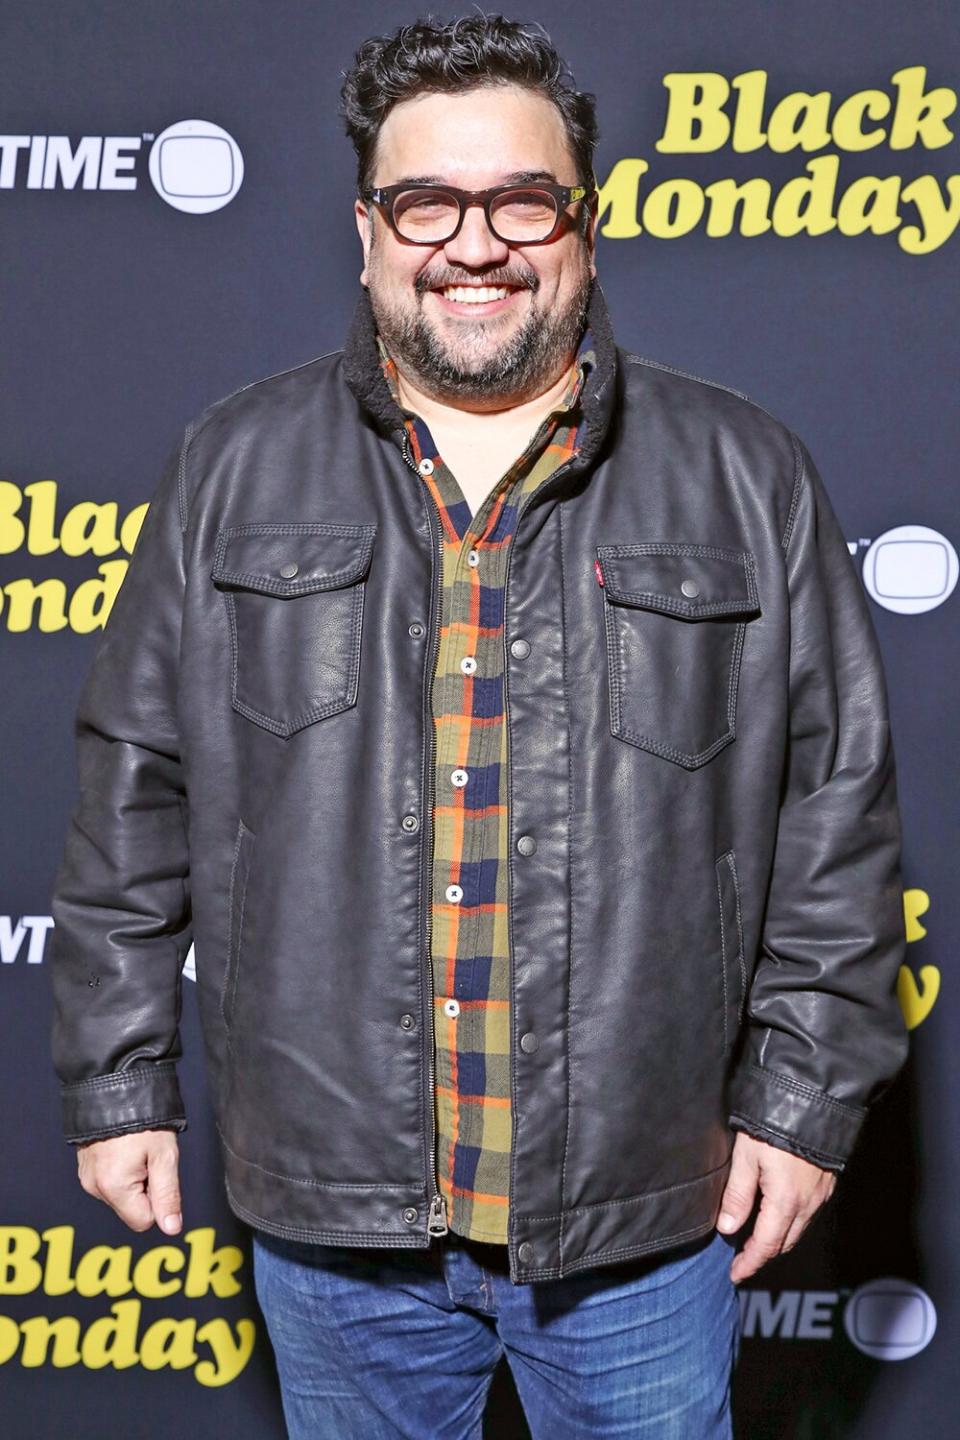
469	900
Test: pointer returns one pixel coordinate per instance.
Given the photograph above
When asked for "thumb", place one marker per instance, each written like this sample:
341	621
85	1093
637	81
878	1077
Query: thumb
741	1188
163	1188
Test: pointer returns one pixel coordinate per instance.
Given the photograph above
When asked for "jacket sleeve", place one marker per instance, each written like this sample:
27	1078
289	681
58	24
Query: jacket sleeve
121	900
825	1034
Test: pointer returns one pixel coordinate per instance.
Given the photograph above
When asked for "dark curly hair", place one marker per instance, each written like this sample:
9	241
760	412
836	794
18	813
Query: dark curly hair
461	55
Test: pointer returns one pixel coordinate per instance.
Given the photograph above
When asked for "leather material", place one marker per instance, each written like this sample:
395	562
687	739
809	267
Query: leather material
708	932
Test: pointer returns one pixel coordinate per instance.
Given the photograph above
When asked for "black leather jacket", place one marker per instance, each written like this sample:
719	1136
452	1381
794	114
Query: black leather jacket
708	932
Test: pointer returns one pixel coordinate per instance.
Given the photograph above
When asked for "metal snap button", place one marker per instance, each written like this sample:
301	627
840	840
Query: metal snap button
410	823
690	587
525	1253
407	1022
520	648
410	1215
415	629
529	1042
289	569
526	845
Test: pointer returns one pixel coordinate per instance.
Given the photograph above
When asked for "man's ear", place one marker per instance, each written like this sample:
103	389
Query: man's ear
364	221
590	237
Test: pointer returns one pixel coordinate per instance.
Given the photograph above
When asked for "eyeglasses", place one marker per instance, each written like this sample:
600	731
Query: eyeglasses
516	214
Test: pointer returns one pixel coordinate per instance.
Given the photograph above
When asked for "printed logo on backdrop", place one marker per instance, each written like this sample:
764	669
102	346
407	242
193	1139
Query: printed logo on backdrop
887	1318
193	165
708	114
909	569
134	1307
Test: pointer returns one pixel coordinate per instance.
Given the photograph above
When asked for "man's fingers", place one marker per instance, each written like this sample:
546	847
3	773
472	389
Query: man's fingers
163	1188
766	1239
741	1189
135	1174
125	1194
803	1218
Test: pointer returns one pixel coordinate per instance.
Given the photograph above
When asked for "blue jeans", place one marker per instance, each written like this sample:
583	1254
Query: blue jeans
377	1344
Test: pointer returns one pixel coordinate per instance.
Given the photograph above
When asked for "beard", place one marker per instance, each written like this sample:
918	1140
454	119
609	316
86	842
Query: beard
509	373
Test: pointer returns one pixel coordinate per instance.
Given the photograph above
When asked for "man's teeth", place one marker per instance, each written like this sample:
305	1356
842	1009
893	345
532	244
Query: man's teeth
475	294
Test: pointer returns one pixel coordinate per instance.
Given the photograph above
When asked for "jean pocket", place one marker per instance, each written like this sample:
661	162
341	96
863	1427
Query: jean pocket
294	594
676	615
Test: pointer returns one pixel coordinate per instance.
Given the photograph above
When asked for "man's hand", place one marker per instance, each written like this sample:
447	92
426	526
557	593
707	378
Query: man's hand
792	1191
136	1175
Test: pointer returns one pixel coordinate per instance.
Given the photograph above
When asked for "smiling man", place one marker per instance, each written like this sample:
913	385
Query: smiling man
501	715
482	328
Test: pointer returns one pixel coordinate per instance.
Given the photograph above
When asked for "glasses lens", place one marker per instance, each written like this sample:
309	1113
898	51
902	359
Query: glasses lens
524	215
425	214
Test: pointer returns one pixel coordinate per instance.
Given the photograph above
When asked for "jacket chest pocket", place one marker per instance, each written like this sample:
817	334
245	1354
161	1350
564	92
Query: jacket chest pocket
676	615
295	597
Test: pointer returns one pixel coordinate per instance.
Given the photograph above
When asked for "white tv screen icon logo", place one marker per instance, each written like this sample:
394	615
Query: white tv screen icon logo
909	569
196	166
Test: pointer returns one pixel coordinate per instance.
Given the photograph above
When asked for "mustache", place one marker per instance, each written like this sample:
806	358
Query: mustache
499	277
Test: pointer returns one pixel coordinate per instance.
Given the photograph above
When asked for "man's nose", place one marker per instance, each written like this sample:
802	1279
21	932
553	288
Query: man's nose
475	243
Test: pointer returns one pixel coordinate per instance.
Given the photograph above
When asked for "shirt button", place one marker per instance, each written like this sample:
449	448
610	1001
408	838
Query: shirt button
529	1041
454	893
520	648
426	466
289	570
473	557
468	664
451	1007
526	844
690	587
459	778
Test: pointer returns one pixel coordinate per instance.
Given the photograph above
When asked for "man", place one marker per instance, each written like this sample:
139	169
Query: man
501	716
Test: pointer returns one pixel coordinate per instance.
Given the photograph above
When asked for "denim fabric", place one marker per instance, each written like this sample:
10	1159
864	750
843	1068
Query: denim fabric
378	1344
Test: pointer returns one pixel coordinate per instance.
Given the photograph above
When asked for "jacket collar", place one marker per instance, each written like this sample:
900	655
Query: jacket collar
364	374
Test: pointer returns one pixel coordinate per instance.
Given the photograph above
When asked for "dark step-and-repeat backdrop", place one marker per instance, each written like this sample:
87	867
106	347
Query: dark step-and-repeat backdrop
135	293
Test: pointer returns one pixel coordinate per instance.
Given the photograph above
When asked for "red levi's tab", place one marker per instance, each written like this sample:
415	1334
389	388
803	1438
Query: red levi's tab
598	572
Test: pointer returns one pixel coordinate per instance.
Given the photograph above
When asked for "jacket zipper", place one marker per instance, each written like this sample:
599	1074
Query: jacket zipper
437	1215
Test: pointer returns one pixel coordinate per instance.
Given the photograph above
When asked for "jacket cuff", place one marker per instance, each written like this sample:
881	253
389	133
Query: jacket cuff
135	1099
794	1116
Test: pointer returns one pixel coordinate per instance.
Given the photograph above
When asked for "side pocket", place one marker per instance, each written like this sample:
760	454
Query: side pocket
734	970
242	850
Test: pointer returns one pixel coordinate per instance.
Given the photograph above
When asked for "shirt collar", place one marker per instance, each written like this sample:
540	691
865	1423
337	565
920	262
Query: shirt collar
598	401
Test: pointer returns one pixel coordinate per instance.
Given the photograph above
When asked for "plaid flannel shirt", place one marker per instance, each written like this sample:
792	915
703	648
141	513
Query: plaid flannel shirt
469	900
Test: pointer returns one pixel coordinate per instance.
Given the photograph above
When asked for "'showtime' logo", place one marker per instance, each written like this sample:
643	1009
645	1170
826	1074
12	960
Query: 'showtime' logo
194	165
887	1318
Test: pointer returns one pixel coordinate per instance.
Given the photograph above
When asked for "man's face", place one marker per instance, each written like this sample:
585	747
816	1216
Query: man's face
487	355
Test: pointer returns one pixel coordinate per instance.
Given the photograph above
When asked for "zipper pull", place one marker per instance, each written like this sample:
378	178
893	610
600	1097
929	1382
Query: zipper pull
598	572
437	1224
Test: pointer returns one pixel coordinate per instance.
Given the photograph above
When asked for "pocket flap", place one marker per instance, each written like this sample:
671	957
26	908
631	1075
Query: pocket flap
261	556
679	578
